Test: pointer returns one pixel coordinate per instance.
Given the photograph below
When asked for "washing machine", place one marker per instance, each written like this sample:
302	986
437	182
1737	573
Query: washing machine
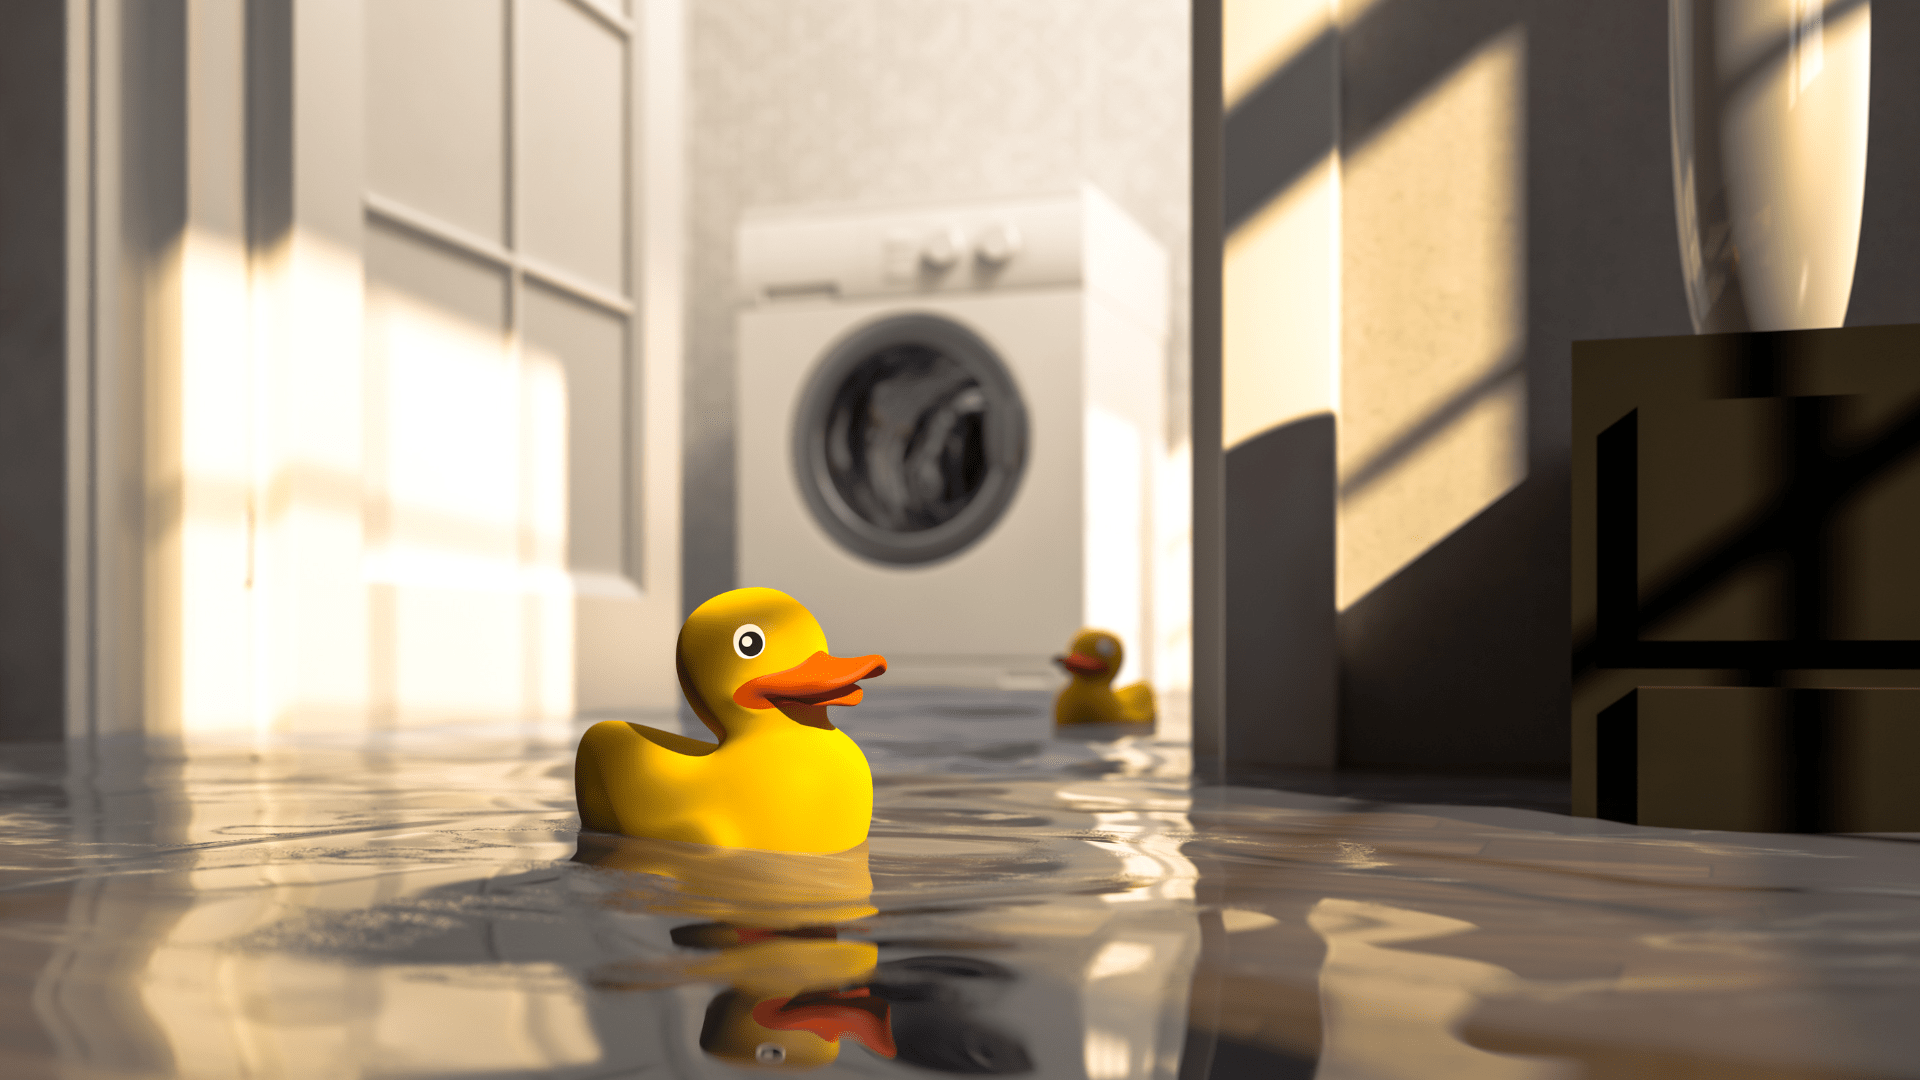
948	421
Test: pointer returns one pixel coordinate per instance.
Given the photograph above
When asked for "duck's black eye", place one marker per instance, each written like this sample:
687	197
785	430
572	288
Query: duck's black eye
749	641
769	1053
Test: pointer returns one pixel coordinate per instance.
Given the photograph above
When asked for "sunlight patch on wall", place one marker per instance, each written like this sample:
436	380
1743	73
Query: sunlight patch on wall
1352	11
1173	581
310	602
1259	37
1115	510
1280	348
202	500
467	455
256	614
1433	402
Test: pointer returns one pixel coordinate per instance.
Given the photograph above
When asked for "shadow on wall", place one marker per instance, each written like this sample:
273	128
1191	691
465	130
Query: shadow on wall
1451	651
32	375
1449	663
1280	614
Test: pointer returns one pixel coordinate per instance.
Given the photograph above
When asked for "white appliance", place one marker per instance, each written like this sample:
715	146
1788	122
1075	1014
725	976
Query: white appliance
949	417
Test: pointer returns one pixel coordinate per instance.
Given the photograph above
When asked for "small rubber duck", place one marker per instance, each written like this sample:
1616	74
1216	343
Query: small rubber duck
1093	660
754	665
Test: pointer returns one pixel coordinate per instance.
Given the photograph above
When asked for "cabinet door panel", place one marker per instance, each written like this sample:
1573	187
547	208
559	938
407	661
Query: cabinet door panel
572	137
436	115
587	347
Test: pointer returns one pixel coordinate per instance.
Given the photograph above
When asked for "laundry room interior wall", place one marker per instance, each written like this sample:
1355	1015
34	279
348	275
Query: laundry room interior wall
1496	184
802	101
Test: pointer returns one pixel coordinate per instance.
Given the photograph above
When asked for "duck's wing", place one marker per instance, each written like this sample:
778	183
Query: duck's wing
679	744
626	776
1136	701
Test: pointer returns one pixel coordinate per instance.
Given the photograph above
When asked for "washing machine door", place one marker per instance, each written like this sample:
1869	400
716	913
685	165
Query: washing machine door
910	440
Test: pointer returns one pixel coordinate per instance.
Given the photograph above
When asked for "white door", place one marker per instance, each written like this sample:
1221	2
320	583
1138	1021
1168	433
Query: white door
379	363
520	544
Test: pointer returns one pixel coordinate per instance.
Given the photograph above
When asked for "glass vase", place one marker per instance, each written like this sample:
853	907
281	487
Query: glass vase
1769	101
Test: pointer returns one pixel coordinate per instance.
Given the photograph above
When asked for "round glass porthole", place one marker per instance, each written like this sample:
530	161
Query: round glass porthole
910	439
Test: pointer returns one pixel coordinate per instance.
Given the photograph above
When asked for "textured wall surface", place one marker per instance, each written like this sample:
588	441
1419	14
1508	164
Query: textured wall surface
797	101
1457	657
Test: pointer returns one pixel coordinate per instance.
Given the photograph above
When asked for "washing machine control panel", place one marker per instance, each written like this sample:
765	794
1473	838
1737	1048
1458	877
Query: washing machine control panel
1017	244
905	254
828	253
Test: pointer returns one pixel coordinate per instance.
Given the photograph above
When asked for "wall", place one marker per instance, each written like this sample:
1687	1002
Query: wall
1503	189
800	101
1279	370
1455	653
1500	187
32	368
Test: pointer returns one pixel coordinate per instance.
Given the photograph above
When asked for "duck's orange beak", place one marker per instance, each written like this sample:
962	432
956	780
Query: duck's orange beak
818	680
1081	664
831	1014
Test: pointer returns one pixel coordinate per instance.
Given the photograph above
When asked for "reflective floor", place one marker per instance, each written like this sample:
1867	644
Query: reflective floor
423	905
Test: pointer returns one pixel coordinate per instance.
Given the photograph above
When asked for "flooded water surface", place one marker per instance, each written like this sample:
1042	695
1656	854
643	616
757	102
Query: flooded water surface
426	906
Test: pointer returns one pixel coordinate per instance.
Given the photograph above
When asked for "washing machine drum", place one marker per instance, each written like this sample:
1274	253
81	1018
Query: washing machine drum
910	439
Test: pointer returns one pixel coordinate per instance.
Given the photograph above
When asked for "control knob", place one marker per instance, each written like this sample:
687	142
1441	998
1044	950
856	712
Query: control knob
942	249
997	244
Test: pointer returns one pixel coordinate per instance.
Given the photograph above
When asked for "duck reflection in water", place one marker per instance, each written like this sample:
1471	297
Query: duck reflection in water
796	988
918	1010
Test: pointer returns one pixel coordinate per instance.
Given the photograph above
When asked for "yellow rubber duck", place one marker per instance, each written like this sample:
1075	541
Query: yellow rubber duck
754	665
1093	660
